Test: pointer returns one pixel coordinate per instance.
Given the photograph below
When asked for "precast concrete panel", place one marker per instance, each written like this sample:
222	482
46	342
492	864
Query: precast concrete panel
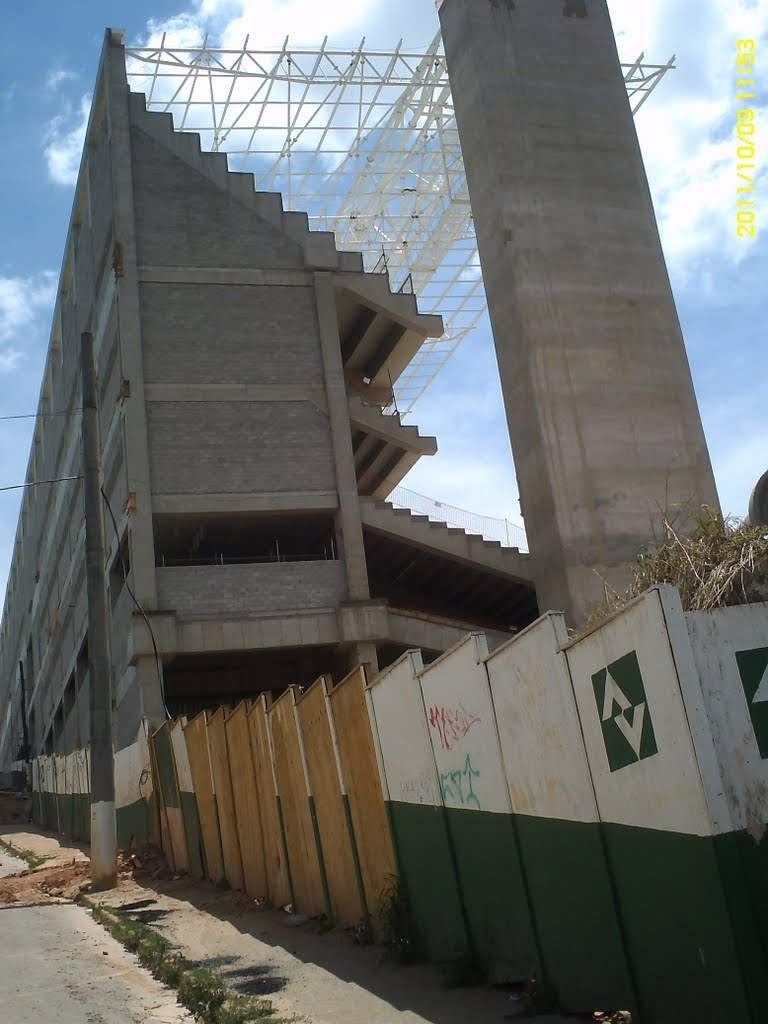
556	820
730	647
656	819
415	808
133	792
462	731
187	799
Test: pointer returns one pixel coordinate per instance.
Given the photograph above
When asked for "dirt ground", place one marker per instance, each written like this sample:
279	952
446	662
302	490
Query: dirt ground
12	810
45	885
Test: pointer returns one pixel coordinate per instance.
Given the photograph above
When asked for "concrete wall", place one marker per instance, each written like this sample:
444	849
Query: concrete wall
44	620
228	447
242	590
184	219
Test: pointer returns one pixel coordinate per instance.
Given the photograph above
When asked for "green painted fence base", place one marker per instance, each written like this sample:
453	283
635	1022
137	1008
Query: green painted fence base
678	927
71	816
575	914
494	894
744	866
135	824
195	848
428	879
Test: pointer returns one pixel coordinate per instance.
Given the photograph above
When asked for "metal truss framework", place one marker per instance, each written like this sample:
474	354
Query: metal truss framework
363	140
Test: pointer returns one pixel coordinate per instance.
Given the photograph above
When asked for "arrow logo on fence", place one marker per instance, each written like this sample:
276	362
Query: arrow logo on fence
624	716
761	693
753	671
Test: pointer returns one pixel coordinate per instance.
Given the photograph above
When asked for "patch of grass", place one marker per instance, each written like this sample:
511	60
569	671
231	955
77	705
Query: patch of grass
199	989
395	923
32	860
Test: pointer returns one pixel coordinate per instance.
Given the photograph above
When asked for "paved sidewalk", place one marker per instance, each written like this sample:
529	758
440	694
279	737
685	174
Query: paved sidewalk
55	849
10	865
58	965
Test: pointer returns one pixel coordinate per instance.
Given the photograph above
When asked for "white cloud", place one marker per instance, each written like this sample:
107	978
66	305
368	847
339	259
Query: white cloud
22	301
686	128
64	142
267	23
59	75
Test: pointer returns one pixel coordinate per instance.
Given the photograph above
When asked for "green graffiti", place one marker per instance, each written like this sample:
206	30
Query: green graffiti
457	785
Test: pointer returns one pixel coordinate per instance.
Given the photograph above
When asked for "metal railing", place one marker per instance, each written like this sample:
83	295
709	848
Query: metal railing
508	534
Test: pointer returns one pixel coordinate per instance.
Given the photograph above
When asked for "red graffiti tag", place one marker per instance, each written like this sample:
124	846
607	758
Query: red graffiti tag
451	723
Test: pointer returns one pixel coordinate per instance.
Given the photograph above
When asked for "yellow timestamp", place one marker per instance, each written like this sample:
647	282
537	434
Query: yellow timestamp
746	221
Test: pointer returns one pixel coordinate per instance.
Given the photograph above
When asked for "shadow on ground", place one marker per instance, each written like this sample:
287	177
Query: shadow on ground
420	988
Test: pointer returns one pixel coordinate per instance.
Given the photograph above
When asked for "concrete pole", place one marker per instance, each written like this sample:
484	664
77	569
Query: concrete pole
103	825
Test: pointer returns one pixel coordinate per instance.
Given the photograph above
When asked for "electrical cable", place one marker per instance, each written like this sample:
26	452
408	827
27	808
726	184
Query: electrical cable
135	601
36	483
42	415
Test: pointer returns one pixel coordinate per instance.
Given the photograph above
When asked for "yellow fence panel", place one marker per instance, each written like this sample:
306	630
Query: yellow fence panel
246	803
196	735
323	771
306	874
225	803
278	879
360	771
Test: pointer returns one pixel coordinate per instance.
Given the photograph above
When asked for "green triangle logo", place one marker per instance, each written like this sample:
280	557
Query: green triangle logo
753	670
624	714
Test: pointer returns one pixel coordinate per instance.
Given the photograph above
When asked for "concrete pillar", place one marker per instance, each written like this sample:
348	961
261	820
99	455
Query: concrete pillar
349	528
147	683
602	416
142	548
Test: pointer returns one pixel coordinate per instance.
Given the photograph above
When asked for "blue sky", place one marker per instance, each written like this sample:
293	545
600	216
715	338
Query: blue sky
48	58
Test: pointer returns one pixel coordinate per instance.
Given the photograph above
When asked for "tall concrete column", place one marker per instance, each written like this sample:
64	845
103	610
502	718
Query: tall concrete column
349	526
602	415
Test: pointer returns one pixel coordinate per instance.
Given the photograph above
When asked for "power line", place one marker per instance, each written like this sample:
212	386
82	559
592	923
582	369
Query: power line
42	415
36	483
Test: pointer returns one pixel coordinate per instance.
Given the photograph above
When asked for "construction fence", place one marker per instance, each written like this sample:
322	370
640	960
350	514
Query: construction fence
61	793
588	813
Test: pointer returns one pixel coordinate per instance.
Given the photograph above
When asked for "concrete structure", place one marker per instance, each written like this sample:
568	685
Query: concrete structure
602	415
244	367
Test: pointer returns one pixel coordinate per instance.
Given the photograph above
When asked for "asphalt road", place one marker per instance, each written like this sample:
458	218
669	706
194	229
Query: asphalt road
57	964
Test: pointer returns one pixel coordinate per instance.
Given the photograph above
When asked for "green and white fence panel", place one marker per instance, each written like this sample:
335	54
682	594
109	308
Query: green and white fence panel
134	792
74	799
415	810
44	808
648	746
188	799
730	648
462	731
556	820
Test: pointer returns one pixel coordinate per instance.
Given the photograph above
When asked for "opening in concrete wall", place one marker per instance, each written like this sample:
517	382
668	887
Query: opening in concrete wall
241	538
194	682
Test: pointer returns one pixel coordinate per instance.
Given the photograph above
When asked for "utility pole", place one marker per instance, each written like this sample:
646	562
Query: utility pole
103	826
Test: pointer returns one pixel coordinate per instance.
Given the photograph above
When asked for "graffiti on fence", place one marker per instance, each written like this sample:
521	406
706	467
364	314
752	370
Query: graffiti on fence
457	785
451	723
418	789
